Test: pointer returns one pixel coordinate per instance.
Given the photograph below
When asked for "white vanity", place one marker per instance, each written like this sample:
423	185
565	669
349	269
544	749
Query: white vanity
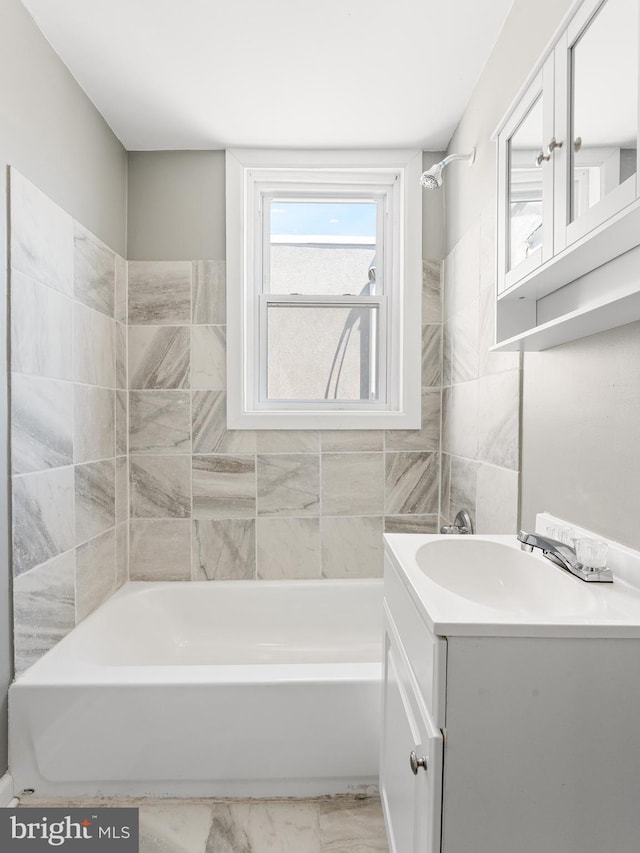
511	718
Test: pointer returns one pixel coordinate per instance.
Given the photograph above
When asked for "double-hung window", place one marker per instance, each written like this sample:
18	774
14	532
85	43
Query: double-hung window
323	290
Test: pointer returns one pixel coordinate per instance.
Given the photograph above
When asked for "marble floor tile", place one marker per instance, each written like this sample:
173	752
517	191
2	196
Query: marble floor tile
41	329
160	550
264	827
41	236
159	356
224	486
352	483
160	486
93	271
174	827
43	608
288	548
41	423
95	573
351	547
160	421
208	292
357	827
159	292
288	484
42	515
224	549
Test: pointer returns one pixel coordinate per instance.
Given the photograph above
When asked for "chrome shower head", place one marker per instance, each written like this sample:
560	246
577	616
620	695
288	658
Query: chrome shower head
432	178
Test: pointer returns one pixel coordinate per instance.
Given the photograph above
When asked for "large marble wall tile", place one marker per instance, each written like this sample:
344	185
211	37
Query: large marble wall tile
488	271
499	419
122	422
358	826
460	419
160	550
95	499
42	515
288	548
121	356
94	355
288	484
411	524
41	329
122	554
431	356
160	486
496	500
224	549
224	486
464	332
41	423
426	438
412	483
209	357
94	424
431	292
160	421
492	362
93	271
288	441
95	573
41	236
43	608
464	484
346	440
464	286
122	490
120	301
159	357
209	292
445	489
276	826
209	426
159	292
351	547
352	484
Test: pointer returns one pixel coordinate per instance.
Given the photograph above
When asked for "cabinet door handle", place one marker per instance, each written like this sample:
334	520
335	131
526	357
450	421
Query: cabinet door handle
551	147
415	762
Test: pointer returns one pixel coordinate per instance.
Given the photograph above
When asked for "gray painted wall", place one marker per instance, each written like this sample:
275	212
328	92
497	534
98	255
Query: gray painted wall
49	131
177	207
580	401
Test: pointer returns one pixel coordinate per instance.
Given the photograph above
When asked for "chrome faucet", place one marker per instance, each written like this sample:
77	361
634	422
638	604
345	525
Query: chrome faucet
564	556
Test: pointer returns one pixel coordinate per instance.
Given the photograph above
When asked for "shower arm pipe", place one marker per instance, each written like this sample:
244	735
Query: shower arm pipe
451	157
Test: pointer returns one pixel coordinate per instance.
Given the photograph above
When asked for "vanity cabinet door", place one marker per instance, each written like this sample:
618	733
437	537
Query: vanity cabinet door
525	189
597	117
411	796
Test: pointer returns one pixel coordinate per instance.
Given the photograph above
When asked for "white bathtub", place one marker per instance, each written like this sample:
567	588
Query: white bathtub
252	688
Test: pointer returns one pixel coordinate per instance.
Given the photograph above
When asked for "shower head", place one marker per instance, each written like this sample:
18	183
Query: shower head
432	178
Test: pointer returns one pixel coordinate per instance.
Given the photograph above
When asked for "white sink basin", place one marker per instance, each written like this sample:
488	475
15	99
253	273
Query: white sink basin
499	576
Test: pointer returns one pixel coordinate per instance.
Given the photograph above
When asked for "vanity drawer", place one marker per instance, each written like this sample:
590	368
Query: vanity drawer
426	653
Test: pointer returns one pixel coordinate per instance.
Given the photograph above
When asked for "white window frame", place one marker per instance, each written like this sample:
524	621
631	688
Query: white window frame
393	178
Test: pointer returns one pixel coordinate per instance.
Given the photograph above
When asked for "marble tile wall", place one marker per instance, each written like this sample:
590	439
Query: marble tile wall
68	421
481	393
207	503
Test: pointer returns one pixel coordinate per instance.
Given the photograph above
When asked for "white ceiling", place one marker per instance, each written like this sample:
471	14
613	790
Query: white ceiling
172	74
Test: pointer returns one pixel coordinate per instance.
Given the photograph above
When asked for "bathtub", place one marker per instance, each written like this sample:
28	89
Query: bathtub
207	689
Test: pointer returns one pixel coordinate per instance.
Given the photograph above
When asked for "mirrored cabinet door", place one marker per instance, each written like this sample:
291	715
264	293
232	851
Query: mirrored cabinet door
601	55
527	186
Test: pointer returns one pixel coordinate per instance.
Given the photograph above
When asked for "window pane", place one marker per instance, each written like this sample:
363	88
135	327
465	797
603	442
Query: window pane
322	247
322	352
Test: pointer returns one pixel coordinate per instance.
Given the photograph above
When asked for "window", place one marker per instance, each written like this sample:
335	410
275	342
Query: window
323	290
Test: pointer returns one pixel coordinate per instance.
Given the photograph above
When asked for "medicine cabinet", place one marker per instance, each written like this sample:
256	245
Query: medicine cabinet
568	244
